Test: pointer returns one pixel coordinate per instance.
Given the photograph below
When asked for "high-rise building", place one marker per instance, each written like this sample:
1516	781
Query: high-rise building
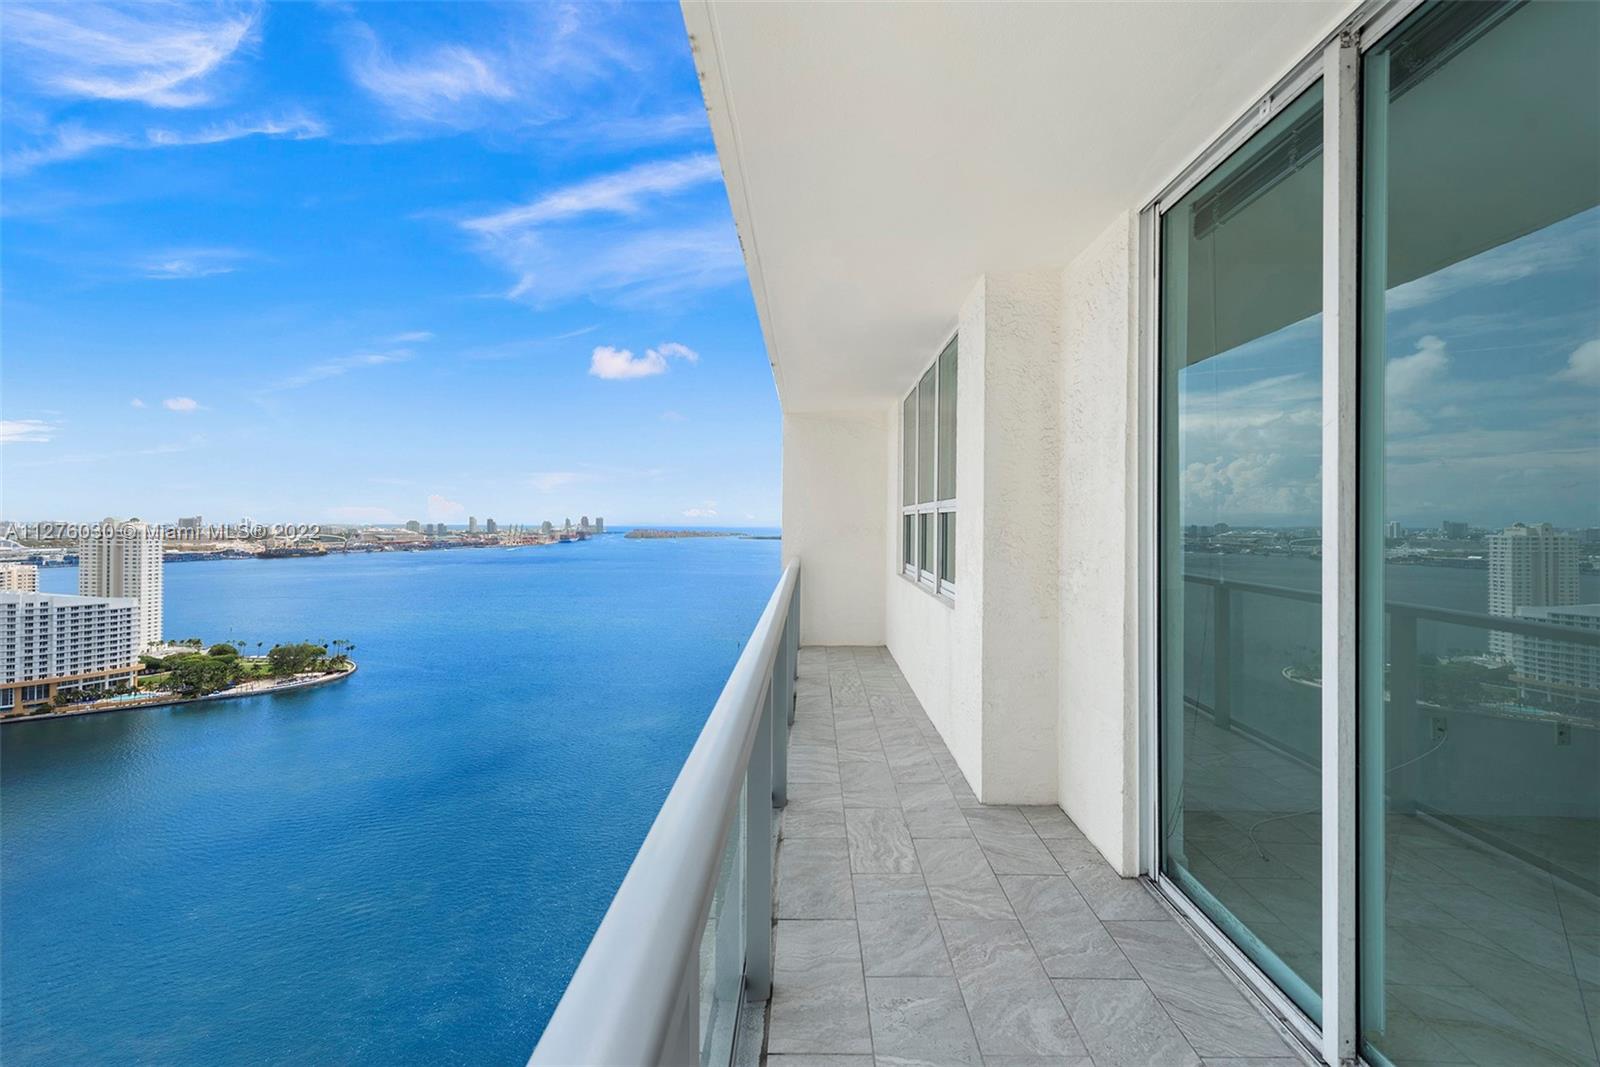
1529	567
123	559
547	528
583	523
472	524
1558	663
1391	531
566	524
19	577
490	526
1454	531
599	525
54	641
414	526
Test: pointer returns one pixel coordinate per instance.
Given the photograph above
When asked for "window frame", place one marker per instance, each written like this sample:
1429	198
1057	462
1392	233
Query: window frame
1336	61
922	568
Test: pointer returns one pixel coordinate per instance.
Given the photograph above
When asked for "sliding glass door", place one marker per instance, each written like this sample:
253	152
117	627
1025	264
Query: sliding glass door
1461	921
1480	498
1241	395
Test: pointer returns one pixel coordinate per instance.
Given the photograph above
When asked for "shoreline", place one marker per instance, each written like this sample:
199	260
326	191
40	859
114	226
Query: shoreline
165	702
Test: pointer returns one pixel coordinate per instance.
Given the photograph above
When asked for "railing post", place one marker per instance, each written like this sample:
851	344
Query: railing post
792	637
777	754
1401	733
758	855
1222	659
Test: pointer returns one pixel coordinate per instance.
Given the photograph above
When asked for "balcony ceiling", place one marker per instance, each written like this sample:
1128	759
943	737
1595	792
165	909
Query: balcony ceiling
881	157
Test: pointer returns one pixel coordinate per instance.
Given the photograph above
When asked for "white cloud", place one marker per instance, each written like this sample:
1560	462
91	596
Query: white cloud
190	263
295	127
1406	377
136	402
549	481
158	53
622	193
72	140
708	510
333	368
1583	366
435	86
181	403
361	513
620	363
25	431
411	337
673	416
638	233
441	509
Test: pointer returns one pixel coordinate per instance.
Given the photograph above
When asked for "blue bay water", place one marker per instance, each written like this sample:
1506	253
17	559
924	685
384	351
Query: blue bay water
403	867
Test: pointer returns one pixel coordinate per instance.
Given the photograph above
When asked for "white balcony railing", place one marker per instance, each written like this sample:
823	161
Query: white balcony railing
688	937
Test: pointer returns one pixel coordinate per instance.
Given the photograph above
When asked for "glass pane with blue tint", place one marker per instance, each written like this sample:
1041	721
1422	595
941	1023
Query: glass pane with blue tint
1240	537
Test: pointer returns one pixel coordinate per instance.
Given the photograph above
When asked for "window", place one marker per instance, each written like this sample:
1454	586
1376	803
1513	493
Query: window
1376	709
928	477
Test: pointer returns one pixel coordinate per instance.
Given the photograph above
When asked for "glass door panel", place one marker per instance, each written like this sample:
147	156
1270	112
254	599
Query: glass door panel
1480	514
1240	538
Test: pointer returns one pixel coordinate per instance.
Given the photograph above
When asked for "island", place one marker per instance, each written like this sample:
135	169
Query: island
187	671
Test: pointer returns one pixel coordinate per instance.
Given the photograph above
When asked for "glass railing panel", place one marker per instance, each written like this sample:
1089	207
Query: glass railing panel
722	950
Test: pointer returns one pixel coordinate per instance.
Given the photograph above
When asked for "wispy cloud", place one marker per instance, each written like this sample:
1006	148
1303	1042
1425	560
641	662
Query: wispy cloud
136	403
620	363
26	431
623	193
412	337
639	234
294	126
435	85
184	404
708	510
443	509
550	481
159	53
334	368
71	141
190	263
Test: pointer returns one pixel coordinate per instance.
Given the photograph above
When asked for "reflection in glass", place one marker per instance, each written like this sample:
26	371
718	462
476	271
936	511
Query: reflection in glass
908	450
947	547
1480	513
926	419
947	422
1240	539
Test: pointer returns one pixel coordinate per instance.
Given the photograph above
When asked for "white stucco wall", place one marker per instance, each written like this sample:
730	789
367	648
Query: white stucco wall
1097	732
834	485
986	666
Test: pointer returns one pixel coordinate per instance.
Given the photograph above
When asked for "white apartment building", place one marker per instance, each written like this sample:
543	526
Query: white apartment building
1529	567
55	641
19	577
124	559
1552	661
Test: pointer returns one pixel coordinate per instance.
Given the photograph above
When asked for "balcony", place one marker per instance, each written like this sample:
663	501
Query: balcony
893	918
915	925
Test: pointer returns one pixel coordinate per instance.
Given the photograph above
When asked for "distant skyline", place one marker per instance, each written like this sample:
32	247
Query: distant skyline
372	263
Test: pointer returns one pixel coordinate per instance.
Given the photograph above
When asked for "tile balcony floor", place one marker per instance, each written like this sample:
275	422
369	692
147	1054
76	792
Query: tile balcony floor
916	926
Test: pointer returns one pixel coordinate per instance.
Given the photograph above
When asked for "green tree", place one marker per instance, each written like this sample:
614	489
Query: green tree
286	660
222	650
197	675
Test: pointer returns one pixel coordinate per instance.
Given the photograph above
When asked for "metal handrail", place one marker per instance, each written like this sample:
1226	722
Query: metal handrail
635	995
1513	624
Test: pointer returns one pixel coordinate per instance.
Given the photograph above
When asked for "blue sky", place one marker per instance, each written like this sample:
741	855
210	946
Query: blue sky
1492	399
348	262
